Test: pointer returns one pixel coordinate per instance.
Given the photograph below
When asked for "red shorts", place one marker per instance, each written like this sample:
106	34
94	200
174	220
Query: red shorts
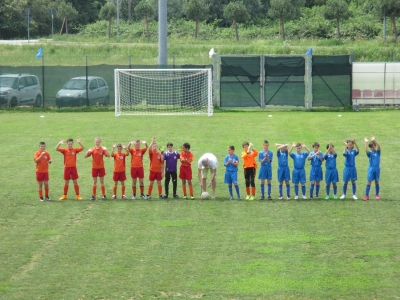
98	172
155	176
185	173
70	173
119	176
42	176
137	172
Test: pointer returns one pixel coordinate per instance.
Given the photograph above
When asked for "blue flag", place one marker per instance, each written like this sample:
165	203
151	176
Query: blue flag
39	53
309	51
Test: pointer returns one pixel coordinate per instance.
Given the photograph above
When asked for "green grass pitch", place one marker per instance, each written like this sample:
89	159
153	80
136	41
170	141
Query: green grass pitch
189	249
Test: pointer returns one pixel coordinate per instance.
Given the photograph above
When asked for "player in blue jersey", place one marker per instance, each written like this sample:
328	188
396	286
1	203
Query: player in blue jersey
283	169
316	158
171	159
265	159
299	173
331	172
374	169
350	171
231	163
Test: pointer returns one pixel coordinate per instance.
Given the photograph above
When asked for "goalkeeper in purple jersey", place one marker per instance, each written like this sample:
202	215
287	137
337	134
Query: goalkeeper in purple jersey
171	158
374	169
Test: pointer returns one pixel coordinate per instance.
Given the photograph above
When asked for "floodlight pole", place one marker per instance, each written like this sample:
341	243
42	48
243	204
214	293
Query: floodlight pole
118	17
162	33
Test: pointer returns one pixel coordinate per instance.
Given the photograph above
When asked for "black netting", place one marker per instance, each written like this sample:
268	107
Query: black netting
284	81
240	82
331	80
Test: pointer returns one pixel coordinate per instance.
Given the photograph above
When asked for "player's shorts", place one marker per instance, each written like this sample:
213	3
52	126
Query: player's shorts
70	173
155	176
119	176
349	174
316	173
373	174
283	174
299	176
40	176
137	173
204	172
185	173
265	173
331	176
98	172
230	177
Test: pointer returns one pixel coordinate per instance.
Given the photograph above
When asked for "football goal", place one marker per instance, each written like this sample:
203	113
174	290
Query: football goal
163	91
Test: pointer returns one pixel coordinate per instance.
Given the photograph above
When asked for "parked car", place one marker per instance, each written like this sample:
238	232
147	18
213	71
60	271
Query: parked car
73	93
20	89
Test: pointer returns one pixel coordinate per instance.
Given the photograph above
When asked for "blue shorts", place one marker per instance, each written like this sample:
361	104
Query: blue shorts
299	176
230	177
283	174
331	176
265	173
373	174
349	174
316	173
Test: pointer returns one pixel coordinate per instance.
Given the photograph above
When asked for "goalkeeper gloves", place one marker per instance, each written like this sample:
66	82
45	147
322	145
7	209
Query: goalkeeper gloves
251	147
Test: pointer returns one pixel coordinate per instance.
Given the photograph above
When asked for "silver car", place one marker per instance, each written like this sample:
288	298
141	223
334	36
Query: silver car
73	93
20	89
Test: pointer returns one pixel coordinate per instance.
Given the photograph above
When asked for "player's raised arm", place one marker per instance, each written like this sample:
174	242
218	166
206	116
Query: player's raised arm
79	142
89	153
355	144
126	149
366	144
129	145
145	144
304	146
60	143
113	149
291	147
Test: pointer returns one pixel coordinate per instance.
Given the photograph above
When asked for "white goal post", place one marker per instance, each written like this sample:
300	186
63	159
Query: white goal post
163	91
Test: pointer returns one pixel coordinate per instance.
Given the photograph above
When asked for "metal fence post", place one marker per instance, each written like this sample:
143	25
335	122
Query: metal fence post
308	70
262	81
43	81
215	63
87	81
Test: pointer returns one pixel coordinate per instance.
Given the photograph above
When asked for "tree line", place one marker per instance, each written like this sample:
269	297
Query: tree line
71	16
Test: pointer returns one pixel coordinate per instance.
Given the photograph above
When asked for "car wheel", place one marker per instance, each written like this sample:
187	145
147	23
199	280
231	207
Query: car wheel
38	101
13	102
106	100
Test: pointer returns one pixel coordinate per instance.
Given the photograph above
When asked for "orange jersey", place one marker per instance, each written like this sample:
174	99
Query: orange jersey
137	157
156	164
69	156
119	161
42	165
249	159
97	154
188	156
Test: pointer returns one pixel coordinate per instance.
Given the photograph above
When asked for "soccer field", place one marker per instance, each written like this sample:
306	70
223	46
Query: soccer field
188	249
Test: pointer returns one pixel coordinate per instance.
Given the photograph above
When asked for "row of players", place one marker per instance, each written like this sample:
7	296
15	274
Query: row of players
209	162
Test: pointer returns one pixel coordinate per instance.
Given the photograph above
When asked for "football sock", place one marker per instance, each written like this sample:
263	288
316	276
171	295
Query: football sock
237	190
353	185
134	191
262	186
103	190
174	186
303	189
76	188
115	190
184	190
123	190
40	194
327	188
334	189
66	189
46	191
191	190
141	190
159	187
377	189
247	190
94	190
269	189
317	189
253	190
367	188
344	189
288	190
311	189
296	190
230	190
280	190
149	190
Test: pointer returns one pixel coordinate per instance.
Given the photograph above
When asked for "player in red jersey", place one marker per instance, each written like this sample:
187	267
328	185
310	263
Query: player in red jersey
70	171
156	169
119	168
98	170
185	172
137	170
42	160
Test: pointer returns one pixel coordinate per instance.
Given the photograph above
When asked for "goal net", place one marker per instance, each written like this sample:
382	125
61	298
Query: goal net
163	91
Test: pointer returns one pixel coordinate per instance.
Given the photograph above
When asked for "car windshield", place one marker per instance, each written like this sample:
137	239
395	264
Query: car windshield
75	84
7	81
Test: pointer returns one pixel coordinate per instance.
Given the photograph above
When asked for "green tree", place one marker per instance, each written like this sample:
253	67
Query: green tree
108	12
285	10
217	11
391	9
175	8
197	10
145	10
12	19
337	10
254	8
65	11
237	13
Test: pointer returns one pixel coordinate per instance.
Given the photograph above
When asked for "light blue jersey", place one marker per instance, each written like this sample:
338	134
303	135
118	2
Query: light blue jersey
316	169
315	161
261	156
331	173
350	157
282	158
231	170
299	159
330	160
266	168
374	158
